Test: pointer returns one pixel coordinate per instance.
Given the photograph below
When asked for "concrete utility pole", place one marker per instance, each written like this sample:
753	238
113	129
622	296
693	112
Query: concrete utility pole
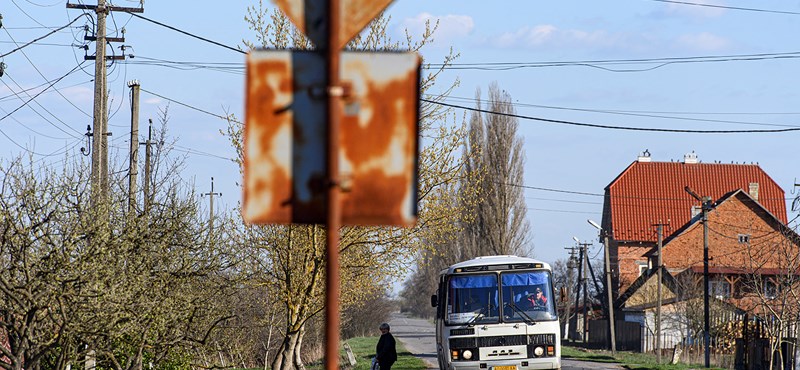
99	178
147	153
133	163
660	280
211	195
612	334
585	282
99	126
706	204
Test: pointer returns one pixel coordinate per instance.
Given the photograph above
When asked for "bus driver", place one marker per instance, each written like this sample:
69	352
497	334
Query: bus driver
537	299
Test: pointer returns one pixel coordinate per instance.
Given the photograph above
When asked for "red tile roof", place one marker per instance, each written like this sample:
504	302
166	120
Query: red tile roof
647	193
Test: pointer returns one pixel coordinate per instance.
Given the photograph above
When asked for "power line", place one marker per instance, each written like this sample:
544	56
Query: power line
41	74
504	66
637	113
610	127
186	33
562	211
39	38
191	107
40	92
728	7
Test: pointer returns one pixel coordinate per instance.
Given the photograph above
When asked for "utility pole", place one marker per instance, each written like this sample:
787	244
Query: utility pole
660	277
99	177
578	290
147	153
570	266
211	195
133	163
612	334
585	281
706	204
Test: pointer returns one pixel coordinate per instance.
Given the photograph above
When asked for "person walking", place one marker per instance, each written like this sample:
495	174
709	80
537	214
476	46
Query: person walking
385	351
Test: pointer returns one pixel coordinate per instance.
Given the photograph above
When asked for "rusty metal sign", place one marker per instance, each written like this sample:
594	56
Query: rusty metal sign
310	17
284	140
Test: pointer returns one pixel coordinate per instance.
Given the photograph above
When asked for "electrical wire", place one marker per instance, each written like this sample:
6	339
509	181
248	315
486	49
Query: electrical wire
660	62
40	92
37	39
45	5
45	78
190	107
727	7
34	131
563	211
634	113
200	152
610	127
43	108
186	33
9	97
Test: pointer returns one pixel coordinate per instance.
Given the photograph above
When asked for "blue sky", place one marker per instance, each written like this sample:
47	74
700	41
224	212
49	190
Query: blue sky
734	94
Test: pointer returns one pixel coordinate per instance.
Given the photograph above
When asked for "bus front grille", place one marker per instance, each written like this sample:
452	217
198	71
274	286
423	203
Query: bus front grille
503	340
543	339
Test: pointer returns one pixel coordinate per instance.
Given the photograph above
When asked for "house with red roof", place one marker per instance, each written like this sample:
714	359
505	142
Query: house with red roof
753	255
748	204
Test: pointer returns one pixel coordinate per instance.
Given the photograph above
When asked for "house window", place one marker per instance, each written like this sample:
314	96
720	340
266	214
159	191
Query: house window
719	288
744	238
770	289
643	267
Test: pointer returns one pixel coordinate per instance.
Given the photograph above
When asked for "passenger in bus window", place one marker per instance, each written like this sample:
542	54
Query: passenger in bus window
537	299
472	303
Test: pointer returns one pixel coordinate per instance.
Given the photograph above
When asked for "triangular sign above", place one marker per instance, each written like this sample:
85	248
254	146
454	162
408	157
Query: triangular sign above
310	17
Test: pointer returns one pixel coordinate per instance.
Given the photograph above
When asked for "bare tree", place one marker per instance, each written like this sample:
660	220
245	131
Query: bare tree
500	226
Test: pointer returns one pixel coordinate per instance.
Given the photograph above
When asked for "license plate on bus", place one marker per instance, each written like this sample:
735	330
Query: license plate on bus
512	367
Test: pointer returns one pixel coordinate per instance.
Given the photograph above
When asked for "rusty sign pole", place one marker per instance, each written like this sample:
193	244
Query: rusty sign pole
334	95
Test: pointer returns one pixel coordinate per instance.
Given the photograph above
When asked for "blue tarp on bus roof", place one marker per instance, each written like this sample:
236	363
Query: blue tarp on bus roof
524	278
473	281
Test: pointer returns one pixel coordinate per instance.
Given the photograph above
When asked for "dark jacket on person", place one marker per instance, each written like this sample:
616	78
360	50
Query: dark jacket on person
385	351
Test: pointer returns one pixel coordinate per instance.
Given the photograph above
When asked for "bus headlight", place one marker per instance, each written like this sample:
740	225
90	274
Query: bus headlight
538	351
467	354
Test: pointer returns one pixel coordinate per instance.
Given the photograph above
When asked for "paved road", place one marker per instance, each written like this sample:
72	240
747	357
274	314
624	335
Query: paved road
417	335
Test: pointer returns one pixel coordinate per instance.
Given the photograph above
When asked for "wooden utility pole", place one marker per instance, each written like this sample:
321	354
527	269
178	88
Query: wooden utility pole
612	333
211	195
570	266
706	204
133	163
659	264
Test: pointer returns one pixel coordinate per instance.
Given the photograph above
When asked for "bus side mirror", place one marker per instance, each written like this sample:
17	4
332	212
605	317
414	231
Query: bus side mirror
434	301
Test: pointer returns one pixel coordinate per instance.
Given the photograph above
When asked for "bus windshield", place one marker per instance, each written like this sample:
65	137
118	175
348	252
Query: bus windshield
527	296
472	299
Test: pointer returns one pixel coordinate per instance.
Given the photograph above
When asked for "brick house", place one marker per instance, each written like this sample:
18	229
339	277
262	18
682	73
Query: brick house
748	205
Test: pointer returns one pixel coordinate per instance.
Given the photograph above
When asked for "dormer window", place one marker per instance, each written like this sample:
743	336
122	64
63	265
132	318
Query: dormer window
744	238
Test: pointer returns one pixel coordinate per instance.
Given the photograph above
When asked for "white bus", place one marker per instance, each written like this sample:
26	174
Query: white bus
497	313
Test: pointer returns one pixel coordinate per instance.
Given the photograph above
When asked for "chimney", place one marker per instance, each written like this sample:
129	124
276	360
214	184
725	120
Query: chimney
754	190
644	156
690	158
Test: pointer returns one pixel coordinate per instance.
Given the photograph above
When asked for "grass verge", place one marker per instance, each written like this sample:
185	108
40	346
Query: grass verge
629	360
364	350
